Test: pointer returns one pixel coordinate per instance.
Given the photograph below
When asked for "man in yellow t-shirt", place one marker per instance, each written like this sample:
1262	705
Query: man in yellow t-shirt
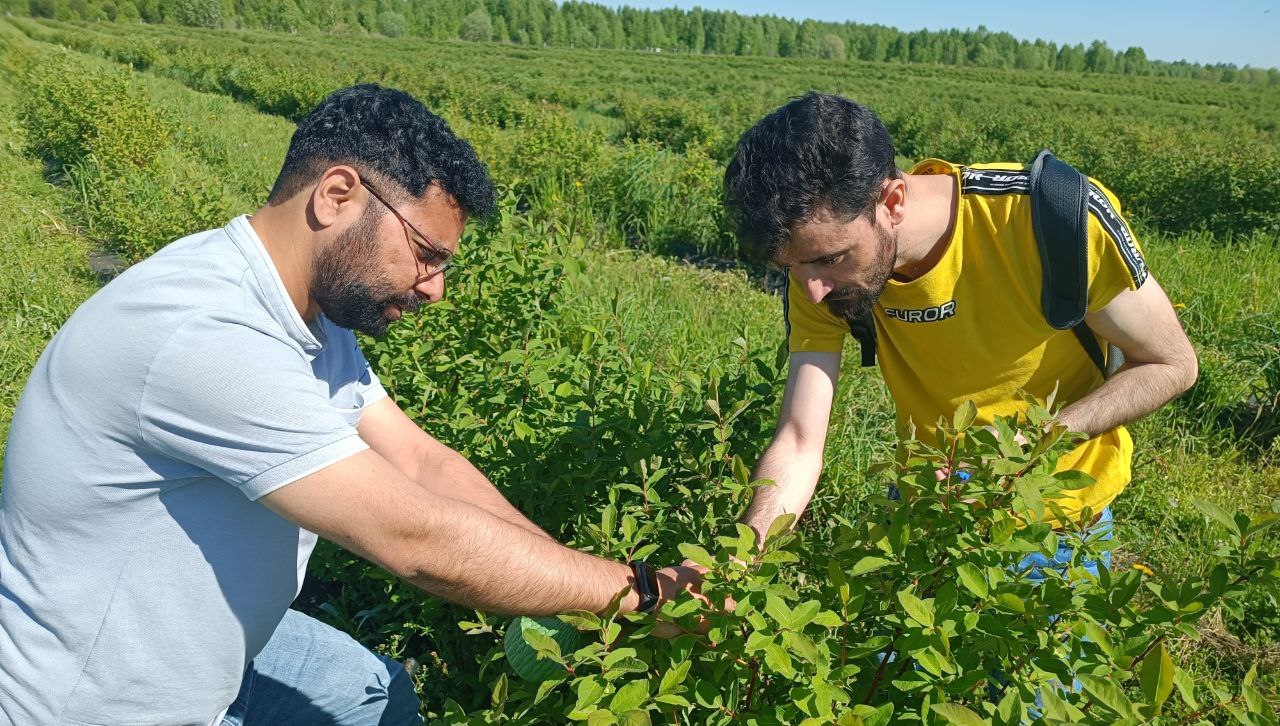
945	260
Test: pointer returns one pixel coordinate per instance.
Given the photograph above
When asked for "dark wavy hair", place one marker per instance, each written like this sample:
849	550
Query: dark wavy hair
391	134
817	151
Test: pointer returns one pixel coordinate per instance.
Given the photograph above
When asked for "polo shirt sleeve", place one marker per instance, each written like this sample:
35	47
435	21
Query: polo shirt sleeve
1116	262
810	328
242	405
366	381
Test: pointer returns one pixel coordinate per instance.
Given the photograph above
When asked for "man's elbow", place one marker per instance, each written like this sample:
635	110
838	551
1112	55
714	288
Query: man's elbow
1188	368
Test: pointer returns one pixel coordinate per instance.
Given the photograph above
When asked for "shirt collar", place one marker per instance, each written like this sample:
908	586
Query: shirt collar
274	293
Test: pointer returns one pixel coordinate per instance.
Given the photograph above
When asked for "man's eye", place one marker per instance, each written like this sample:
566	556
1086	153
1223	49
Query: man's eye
830	261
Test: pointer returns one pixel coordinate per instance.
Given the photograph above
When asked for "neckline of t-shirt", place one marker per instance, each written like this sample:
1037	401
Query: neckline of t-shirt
277	294
953	241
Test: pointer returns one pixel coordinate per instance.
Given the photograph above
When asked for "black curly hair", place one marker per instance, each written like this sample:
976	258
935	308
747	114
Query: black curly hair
817	151
391	134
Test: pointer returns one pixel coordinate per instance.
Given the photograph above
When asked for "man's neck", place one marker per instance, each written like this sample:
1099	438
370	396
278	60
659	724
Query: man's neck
926	230
290	253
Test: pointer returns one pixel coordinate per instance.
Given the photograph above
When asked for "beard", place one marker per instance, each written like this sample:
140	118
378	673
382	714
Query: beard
854	302
347	285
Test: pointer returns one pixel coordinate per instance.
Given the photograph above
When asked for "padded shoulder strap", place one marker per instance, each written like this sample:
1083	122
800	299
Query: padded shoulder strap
1059	215
864	331
1060	218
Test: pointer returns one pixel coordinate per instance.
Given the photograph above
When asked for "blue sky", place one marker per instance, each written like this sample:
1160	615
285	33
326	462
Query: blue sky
1207	31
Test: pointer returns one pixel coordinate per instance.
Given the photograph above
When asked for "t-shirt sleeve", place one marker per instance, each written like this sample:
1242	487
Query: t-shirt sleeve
810	328
367	384
1116	262
243	406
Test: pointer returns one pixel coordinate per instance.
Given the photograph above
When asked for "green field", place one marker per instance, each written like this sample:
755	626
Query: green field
577	355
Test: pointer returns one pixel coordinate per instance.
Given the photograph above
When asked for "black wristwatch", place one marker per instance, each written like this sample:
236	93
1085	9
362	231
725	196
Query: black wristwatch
646	585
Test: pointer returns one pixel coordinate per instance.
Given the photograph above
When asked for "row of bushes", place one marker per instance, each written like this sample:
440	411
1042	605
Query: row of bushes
1173	173
99	131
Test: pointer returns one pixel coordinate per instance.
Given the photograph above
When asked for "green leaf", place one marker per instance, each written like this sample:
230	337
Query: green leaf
540	641
801	646
631	695
869	564
1011	602
672	699
920	610
956	714
965	415
1186	688
782	523
1157	678
804	613
1262	522
874	716
778	659
933	662
1217	514
609	520
590	691
523	430
1095	633
1031	496
634	717
1107	693
1257	703
973	580
697	553
1009	708
777	609
674	676
499	694
546	687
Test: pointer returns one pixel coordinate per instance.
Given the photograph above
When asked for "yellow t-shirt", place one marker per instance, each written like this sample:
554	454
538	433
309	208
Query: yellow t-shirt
972	328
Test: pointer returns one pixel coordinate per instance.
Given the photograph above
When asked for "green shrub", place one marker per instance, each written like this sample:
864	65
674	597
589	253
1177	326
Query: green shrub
74	113
392	24
918	612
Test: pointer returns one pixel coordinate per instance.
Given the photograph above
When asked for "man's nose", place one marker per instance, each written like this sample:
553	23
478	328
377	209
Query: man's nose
431	290
817	289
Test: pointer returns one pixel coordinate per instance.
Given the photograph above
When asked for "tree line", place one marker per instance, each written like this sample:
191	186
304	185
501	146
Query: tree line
588	25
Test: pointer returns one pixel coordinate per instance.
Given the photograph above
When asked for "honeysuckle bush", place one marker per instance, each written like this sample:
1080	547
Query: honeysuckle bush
101	135
606	451
919	611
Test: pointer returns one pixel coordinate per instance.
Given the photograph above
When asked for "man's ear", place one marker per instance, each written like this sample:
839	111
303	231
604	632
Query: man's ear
894	198
337	193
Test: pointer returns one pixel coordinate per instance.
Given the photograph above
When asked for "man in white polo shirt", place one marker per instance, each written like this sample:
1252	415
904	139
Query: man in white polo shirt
199	418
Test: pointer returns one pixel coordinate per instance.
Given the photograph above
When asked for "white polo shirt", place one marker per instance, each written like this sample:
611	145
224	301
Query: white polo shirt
138	573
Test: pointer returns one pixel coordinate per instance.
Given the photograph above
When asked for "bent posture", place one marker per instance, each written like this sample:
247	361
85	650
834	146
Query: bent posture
201	419
943	263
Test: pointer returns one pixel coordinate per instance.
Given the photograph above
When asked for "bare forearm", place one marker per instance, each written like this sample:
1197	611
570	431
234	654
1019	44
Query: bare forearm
480	561
795	475
448	474
1127	396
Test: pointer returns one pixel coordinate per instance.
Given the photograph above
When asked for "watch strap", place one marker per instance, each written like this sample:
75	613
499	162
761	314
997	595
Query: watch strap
646	585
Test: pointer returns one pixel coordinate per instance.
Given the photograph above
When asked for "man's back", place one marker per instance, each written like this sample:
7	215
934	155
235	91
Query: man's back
138	575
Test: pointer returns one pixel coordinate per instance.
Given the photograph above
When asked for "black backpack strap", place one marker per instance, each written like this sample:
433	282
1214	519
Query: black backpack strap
1060	219
864	331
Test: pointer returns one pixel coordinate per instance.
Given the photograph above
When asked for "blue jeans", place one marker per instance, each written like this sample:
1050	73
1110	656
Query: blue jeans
310	674
1067	544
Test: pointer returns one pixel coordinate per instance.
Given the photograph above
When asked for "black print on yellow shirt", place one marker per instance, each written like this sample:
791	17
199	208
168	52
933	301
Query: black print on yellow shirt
925	315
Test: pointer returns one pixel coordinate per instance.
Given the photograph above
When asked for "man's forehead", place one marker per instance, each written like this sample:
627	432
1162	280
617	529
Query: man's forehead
818	237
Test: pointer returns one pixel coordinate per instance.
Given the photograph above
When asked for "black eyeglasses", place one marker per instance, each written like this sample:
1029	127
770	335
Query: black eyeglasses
433	258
